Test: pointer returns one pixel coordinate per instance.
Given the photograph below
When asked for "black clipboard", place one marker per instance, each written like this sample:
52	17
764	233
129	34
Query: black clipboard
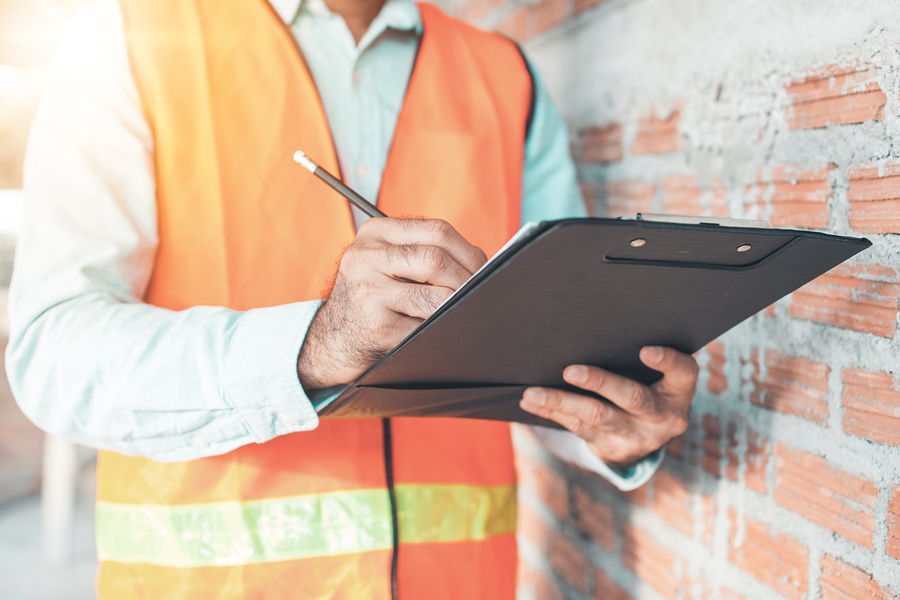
584	291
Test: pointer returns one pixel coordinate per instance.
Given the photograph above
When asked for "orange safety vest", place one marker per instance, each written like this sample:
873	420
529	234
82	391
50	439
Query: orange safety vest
308	515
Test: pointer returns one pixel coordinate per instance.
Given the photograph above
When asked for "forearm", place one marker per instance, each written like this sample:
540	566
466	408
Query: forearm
142	380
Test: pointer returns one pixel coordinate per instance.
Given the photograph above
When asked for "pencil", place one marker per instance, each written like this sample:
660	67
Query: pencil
337	185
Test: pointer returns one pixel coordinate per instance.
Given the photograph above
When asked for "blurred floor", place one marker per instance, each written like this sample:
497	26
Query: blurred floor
24	573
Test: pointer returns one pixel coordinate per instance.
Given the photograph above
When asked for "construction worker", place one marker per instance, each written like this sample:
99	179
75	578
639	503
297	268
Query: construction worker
166	304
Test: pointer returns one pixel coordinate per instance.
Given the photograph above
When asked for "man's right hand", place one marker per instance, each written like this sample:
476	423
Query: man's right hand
391	278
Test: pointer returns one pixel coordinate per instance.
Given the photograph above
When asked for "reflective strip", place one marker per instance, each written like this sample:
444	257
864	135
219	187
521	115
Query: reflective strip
236	533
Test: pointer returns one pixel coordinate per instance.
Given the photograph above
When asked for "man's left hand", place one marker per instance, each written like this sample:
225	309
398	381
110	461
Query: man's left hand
637	420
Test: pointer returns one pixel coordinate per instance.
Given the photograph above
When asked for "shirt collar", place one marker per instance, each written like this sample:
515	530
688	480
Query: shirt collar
402	15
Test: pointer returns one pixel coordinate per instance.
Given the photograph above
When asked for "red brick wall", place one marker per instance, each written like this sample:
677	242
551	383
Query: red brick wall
787	483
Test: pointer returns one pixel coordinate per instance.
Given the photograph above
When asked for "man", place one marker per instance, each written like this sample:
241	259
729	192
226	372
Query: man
164	302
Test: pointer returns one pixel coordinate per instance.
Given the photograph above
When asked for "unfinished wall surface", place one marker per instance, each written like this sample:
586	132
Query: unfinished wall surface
787	484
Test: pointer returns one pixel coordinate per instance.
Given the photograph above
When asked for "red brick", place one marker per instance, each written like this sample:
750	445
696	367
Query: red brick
799	197
606	589
515	25
718	205
476	9
590	192
533	528
794	386
569	562
859	297
673	502
542	587
756	457
776	559
652	562
732	460
657	136
812	488
583	5
600	144
675	446
712	453
835	96
549	486
841	581
627	198
892	545
677	505
871	406
681	195
717	382
547	15
874	197
594	519
639	496
708	504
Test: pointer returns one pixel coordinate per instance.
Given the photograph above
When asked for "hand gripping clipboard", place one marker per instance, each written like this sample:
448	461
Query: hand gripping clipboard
584	291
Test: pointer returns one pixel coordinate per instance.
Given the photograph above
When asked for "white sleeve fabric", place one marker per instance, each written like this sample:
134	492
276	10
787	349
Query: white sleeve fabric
550	191
87	359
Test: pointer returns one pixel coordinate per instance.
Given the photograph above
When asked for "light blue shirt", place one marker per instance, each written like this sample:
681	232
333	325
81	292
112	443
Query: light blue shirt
87	359
362	89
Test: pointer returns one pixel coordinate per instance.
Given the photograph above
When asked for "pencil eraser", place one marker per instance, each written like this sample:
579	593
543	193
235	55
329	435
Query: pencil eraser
304	161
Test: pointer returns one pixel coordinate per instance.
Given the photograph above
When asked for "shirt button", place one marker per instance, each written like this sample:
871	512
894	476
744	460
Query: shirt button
198	442
357	76
362	170
284	419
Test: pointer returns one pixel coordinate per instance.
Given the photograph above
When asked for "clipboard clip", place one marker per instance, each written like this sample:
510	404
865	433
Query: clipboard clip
692	220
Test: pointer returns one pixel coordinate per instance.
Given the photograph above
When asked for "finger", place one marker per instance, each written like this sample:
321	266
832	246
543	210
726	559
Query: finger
679	370
627	394
413	299
584	416
390	331
424	264
428	232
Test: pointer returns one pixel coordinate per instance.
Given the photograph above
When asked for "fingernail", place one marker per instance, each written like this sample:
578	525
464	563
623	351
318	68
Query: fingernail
535	397
652	354
576	374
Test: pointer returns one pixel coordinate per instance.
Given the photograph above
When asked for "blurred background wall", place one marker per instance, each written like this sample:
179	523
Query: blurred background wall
786	483
29	33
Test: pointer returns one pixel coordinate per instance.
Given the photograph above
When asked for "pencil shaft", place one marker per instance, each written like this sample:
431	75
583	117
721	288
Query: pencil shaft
354	198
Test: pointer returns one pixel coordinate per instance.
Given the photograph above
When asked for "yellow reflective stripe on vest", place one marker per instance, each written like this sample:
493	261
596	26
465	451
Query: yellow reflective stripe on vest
234	533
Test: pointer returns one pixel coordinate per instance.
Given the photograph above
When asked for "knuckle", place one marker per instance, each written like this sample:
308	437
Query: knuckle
351	254
597	415
371	227
440	231
401	252
432	259
421	299
635	396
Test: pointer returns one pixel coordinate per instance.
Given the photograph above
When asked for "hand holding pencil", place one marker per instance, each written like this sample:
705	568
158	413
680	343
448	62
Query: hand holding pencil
392	277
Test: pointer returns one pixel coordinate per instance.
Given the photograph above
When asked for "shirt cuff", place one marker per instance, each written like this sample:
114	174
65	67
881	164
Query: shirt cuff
260	370
567	446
